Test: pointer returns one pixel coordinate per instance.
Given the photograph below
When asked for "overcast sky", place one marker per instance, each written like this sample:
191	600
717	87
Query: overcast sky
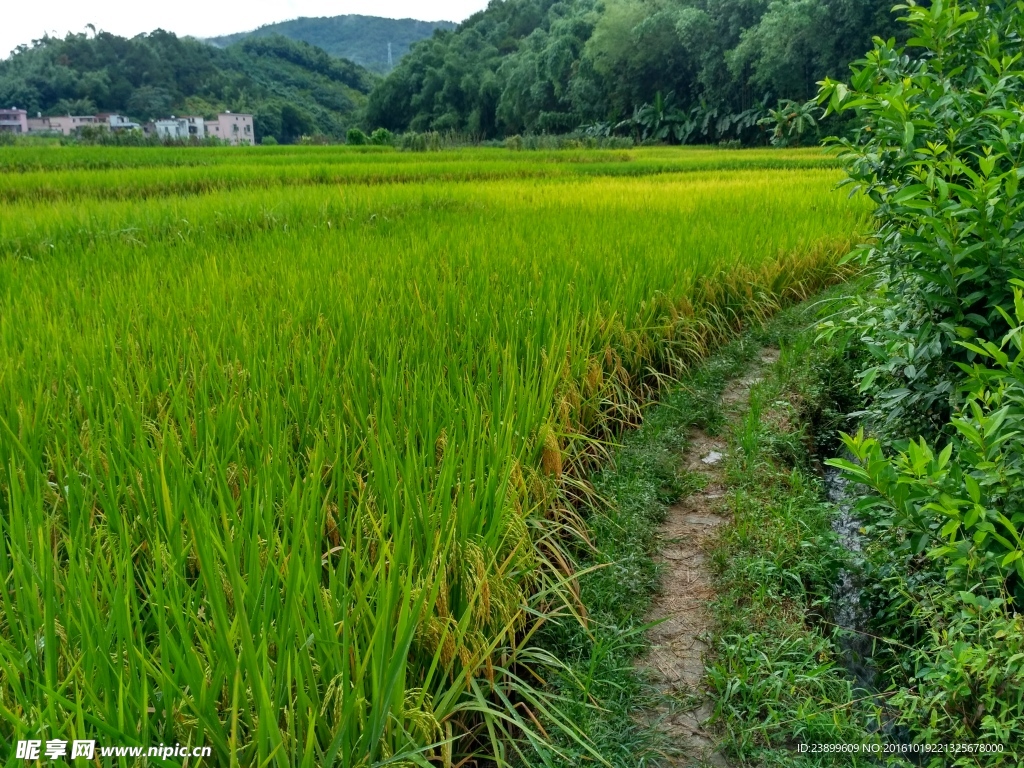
22	21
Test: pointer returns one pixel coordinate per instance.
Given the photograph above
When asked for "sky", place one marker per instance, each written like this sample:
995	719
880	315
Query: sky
22	21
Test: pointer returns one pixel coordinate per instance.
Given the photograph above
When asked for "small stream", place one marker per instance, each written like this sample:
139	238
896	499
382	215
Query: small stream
848	611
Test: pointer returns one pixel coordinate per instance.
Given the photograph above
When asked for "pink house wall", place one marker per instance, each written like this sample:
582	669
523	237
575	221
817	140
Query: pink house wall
234	128
14	120
71	123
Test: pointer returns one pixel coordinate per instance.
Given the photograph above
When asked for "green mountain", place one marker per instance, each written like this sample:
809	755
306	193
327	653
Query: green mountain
362	39
291	88
709	69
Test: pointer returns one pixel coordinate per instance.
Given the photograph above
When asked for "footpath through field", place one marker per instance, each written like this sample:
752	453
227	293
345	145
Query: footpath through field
681	609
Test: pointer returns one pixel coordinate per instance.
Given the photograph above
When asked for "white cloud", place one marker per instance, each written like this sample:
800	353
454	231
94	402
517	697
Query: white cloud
21	22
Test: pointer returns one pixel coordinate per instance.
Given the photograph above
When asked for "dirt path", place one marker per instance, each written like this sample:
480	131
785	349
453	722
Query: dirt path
676	661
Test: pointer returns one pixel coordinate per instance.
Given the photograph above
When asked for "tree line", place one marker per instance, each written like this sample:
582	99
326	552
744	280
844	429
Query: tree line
711	69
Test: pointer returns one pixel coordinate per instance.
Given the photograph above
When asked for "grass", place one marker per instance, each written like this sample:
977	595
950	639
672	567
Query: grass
776	676
290	472
601	688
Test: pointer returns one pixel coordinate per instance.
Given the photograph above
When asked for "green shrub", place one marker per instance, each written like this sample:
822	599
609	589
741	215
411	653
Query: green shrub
968	677
412	142
355	137
269	141
430	141
382	137
939	152
963	504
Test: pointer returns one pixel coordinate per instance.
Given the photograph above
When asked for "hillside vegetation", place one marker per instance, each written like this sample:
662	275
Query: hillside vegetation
361	39
540	65
292	88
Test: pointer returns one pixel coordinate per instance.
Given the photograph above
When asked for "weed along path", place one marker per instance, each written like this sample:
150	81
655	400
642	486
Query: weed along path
676	659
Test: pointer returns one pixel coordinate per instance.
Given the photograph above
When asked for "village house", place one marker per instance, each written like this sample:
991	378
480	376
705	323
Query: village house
235	129
70	124
40	124
180	128
13	120
119	122
232	128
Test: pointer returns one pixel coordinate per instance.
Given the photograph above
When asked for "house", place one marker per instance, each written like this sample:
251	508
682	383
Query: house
120	123
72	123
13	120
180	128
171	129
234	128
196	127
40	124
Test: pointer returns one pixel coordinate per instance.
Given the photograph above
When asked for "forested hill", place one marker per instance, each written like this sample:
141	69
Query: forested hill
547	65
291	88
362	39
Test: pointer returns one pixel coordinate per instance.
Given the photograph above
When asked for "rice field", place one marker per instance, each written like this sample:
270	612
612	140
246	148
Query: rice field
133	173
292	440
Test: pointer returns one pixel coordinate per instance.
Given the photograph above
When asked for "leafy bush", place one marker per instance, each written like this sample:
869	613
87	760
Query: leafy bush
963	504
431	141
355	137
382	137
939	152
412	142
269	141
960	681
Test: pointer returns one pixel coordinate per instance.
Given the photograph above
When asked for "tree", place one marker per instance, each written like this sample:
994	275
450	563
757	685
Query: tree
294	123
150	102
529	66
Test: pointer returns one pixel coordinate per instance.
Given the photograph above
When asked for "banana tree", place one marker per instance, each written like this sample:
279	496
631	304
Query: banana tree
750	118
789	121
653	118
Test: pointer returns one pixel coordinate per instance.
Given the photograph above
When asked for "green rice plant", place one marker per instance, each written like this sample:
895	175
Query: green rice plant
91	172
291	472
